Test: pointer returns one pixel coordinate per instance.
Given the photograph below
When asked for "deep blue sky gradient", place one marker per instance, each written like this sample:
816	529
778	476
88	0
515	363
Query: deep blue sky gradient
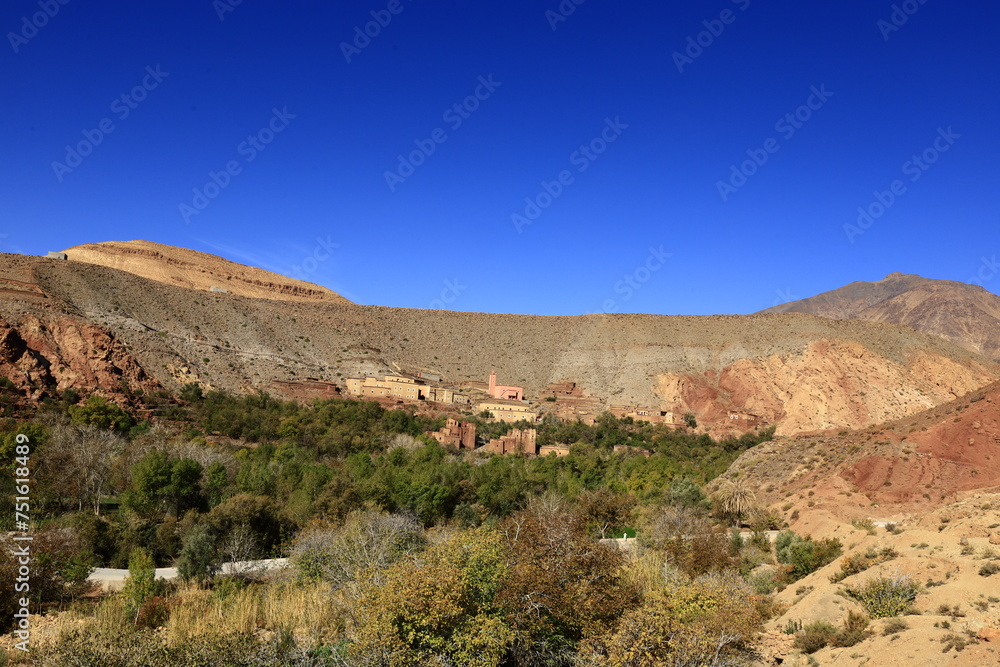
779	236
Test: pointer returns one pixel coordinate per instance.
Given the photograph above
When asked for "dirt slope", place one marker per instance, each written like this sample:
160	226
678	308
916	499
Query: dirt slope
182	267
966	315
799	371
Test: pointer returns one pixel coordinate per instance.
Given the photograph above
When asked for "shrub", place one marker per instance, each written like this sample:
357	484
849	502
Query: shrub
866	525
894	625
367	543
804	554
855	630
140	585
815	636
701	621
885	596
690	540
860	562
819	634
441	609
989	569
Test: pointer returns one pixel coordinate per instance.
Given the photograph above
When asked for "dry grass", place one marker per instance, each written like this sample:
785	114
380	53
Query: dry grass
312	610
644	569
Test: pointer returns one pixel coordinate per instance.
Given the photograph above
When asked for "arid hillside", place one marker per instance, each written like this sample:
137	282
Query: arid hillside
908	466
967	315
927	487
802	372
197	270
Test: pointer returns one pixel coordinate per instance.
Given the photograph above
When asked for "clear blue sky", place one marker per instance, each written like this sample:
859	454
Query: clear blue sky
443	235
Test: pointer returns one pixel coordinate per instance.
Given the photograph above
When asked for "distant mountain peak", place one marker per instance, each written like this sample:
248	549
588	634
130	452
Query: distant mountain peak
967	315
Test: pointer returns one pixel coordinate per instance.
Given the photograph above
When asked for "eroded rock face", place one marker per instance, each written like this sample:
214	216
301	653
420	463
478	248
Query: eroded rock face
67	353
830	384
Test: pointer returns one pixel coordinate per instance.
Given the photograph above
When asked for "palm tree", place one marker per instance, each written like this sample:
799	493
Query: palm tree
734	500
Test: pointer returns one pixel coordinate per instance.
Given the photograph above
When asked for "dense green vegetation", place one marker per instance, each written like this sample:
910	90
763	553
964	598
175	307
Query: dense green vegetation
320	460
354	492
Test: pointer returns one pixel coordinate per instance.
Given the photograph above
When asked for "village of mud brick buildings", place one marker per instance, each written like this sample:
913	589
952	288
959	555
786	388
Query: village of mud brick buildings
507	403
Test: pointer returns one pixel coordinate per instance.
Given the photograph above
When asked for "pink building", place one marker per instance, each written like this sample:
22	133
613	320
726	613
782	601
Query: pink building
503	391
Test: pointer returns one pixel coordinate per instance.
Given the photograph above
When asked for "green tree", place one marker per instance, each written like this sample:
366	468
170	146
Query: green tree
216	482
102	413
140	585
199	558
160	481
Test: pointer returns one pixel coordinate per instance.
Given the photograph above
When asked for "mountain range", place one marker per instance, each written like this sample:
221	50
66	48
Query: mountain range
145	315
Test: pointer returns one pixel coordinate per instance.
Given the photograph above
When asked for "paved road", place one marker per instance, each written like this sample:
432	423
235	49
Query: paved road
112	579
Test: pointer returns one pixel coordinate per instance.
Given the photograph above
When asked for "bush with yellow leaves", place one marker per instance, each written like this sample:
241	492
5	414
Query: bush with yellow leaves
438	608
701	621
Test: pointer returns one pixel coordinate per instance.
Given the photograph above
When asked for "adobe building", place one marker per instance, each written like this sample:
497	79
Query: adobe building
456	434
558	450
651	415
566	388
439	394
391	386
744	419
518	441
504	391
508	411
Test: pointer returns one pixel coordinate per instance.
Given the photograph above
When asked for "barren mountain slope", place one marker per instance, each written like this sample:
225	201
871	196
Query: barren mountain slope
967	315
935	477
800	371
909	465
197	270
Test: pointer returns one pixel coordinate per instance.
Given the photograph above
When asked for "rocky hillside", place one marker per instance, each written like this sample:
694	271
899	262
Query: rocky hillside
907	466
802	372
967	315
